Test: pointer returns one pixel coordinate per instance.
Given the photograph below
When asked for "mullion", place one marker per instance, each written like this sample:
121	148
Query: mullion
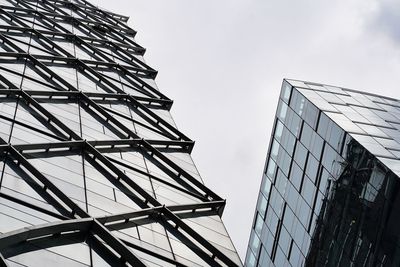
105	124
77	144
35	14
148	146
109	118
152	253
54	85
51	73
32	128
33	184
86	3
91	9
128	58
216	252
191	193
33	206
155	152
98	97
7	82
121	175
137	70
137	105
139	123
189	243
116	244
51	118
133	85
100	76
29	12
115	181
136	50
11	18
50	50
103	251
175	177
6	38
45	122
89	33
48	185
78	10
39	14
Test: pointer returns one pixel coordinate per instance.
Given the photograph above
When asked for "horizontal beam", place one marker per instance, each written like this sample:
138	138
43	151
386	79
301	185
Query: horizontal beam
25	234
215	205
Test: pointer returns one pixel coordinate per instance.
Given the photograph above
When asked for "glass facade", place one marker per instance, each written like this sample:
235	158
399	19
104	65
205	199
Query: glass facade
330	191
94	171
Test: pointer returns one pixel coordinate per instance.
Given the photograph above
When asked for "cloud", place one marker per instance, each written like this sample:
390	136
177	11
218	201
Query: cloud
387	19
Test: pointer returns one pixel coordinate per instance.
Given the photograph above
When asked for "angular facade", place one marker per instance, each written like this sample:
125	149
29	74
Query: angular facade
330	193
94	171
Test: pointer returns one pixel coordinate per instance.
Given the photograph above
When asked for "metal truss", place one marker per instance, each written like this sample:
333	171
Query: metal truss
109	48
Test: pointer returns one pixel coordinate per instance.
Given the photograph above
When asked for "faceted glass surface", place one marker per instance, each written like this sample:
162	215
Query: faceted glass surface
331	185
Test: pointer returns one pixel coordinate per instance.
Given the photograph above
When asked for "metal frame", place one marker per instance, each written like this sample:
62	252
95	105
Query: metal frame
109	42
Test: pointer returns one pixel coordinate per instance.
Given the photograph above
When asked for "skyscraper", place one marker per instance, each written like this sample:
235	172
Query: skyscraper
330	190
94	171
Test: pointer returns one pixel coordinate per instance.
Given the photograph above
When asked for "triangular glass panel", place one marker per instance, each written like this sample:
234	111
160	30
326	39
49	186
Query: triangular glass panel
14	216
66	45
185	161
151	178
95	127
184	254
88	83
33	81
65	110
67	26
128	162
43	24
105	196
84	121
36	126
66	72
82	53
76	255
28	21
87	183
39	47
42	7
128	85
7	111
165	115
22	41
211	228
150	237
130	119
64	170
20	184
12	71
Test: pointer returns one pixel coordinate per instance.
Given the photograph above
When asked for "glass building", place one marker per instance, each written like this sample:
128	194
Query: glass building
330	190
94	171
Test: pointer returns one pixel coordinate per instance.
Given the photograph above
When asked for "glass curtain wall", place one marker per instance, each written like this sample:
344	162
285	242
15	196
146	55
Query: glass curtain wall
94	171
329	192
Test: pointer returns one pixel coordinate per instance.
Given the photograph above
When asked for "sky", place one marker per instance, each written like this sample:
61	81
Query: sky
223	62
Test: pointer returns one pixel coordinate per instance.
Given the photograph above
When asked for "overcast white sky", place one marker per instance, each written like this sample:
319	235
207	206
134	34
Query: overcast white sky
223	62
